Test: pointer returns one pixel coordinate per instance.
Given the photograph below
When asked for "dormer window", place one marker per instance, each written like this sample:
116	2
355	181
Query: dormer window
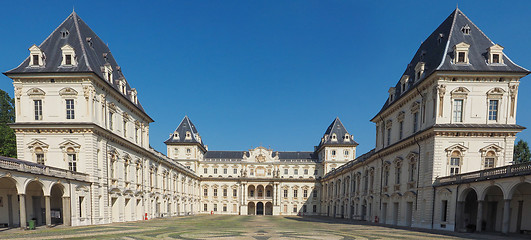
134	96
347	137
188	135
68	56
334	137
466	30
107	72
122	86
419	70
391	94
404	81
495	54
461	53
36	57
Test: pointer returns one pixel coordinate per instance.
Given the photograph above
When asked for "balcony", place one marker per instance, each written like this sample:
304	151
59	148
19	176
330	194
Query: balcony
30	167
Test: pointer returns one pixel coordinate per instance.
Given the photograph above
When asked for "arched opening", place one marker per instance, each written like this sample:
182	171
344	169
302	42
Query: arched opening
269	192
268	208
251	191
250	208
520	206
364	210
9	213
56	204
260	192
35	203
260	208
470	210
491	219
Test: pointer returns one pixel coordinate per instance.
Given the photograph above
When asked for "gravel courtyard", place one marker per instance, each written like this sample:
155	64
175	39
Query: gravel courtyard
236	227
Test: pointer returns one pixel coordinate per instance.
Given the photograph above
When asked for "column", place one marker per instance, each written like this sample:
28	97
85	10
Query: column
459	215
48	213
479	217
22	200
66	211
506	214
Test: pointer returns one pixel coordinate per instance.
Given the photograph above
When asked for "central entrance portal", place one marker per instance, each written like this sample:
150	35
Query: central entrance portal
260	208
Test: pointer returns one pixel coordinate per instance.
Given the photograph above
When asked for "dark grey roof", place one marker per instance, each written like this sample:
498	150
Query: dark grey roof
297	155
89	56
225	154
337	128
350	163
437	52
179	135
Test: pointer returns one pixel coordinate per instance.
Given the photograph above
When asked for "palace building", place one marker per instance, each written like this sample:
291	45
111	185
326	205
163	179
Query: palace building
443	157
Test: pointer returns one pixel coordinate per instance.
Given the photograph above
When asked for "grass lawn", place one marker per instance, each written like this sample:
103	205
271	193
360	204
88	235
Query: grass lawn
236	227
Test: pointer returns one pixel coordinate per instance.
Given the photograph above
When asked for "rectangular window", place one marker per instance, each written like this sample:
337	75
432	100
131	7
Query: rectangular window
205	207
412	172
303	208
314	208
305	171
111	120
461	57
397	175
215	171
36	60
454	165
38	109
68	59
458	110
444	211
40	158
205	170
401	130
235	171
205	192
136	134
386	177
495	58
224	192
215	207
234	192
493	110
225	171
305	193
125	128
285	171
296	172
415	121
315	172
489	162
285	193
224	208
294	208
295	193
81	210
388	136
72	162
215	192
70	109
314	194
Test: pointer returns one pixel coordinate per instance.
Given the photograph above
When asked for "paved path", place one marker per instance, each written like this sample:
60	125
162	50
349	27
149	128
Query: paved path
242	227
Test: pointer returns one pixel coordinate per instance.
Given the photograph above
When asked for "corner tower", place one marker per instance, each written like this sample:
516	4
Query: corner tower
337	146
185	144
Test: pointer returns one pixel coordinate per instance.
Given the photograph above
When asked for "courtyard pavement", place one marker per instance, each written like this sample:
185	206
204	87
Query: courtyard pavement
242	227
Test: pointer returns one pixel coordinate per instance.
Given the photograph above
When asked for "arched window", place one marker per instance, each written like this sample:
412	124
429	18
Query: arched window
39	155
455	162
72	159
490	160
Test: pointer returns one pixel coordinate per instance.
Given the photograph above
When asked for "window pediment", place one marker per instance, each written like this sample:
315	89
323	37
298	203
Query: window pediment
398	161
36	92
492	147
38	143
67	91
401	116
412	156
460	92
496	93
456	147
69	144
415	107
37	57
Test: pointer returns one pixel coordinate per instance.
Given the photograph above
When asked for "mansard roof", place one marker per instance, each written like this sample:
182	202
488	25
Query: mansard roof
179	135
297	155
336	129
92	54
437	52
240	154
225	154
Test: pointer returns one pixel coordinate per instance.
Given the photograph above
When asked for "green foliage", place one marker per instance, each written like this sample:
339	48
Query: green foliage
521	152
8	145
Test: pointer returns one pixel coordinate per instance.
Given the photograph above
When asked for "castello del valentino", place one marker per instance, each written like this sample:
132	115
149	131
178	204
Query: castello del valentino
443	157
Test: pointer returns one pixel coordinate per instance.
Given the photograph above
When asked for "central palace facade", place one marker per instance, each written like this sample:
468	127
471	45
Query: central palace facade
443	157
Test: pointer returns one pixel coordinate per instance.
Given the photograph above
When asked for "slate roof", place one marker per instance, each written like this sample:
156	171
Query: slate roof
179	135
336	127
297	155
225	154
437	52
91	54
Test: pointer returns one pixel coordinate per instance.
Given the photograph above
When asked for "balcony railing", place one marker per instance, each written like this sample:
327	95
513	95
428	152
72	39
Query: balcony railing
30	167
493	173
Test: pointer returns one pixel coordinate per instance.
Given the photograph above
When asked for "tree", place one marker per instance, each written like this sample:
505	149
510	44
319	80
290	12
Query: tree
8	144
521	152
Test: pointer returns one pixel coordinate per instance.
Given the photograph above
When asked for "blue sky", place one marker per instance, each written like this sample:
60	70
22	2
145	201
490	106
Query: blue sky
271	73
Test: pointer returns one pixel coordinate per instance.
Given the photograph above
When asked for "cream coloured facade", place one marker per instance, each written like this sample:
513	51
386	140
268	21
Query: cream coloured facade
442	157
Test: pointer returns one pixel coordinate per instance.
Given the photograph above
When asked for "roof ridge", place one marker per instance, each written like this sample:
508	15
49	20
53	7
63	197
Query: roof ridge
74	14
448	39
